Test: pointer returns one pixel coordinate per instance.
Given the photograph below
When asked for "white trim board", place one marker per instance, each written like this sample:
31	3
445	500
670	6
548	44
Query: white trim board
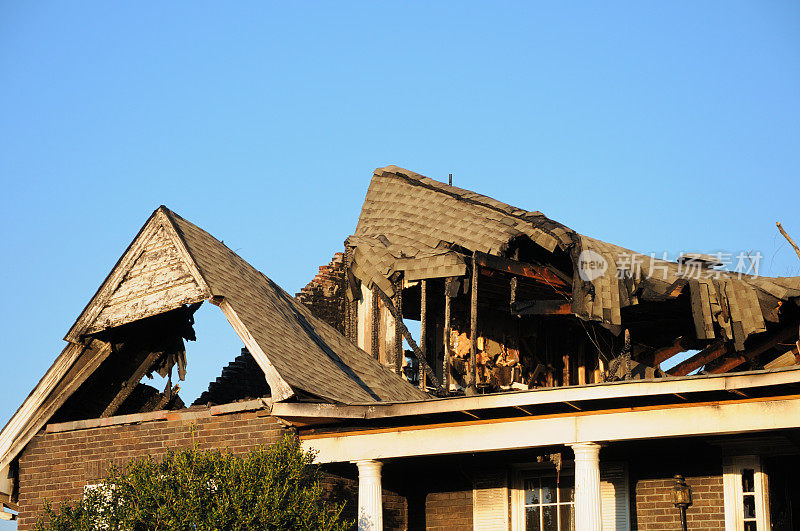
716	419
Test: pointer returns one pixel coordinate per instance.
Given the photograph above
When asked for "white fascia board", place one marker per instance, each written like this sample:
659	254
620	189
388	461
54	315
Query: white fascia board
716	419
622	389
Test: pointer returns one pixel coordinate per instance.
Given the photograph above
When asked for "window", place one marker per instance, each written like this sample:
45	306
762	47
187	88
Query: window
746	495
543	499
549	502
749	499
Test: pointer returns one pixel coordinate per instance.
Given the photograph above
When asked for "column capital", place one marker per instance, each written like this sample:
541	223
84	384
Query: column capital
586	450
369	467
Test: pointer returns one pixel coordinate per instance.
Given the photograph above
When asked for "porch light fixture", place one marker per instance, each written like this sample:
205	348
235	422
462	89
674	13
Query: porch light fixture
681	497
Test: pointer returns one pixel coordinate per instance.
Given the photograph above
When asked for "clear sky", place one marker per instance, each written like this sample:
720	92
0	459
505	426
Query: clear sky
670	126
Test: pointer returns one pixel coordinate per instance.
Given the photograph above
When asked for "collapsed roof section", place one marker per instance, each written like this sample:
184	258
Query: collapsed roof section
415	228
166	272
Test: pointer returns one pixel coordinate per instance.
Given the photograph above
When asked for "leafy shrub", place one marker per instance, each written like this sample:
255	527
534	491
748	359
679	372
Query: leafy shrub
275	487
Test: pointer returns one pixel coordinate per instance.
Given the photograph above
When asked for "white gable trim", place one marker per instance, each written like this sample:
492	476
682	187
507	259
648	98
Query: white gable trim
279	388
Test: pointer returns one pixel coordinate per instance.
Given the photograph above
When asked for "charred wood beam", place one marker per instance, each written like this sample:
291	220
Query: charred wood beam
731	363
448	284
513	292
681	344
704	357
401	327
399	353
423	333
374	337
166	397
161	401
581	352
542	307
130	384
542	274
472	380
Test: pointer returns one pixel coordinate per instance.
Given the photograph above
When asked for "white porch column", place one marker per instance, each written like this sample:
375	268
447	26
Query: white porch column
370	503
587	487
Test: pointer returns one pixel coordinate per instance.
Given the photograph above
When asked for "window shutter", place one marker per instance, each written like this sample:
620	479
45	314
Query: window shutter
614	497
490	501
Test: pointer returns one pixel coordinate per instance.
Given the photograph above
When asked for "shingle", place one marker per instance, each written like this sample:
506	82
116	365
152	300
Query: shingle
307	353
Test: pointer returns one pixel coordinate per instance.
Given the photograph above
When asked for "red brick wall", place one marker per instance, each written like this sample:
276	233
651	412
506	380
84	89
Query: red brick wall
654	510
56	466
324	295
446	511
344	488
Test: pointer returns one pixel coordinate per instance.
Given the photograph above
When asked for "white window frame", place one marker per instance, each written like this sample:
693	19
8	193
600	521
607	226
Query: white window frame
522	472
733	496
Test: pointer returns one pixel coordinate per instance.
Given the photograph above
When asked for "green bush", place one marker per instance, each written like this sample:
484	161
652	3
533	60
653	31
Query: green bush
276	487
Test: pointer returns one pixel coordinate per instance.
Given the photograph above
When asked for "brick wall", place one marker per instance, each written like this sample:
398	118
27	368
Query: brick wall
56	466
324	295
446	511
654	510
343	487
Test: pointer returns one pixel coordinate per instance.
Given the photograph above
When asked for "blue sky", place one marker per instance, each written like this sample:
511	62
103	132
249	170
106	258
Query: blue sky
656	126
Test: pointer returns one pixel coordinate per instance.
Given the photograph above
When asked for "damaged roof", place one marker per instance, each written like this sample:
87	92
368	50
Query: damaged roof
172	263
427	229
303	350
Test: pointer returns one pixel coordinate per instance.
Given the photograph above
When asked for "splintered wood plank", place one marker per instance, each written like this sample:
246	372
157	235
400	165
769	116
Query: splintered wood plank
581	353
731	363
446	368
473	323
423	334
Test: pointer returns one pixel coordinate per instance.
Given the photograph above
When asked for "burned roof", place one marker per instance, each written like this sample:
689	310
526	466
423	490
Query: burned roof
426	229
171	264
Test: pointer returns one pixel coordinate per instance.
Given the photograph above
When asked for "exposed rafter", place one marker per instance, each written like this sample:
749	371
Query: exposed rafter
731	363
705	356
542	274
130	384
